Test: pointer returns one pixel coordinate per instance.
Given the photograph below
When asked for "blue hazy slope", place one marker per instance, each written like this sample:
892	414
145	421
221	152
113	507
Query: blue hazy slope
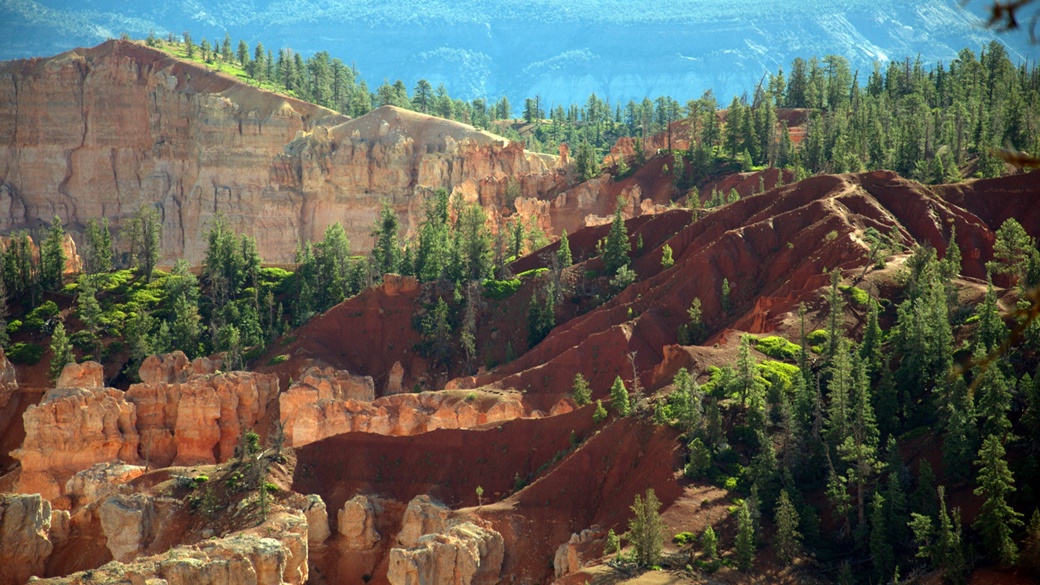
560	50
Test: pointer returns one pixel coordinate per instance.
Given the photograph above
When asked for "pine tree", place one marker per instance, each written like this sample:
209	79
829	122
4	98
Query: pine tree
1030	556
788	539
996	519
563	253
90	312
646	529
745	544
948	545
600	414
960	441
615	252
52	256
880	548
619	397
925	499
97	253
992	331
61	352
581	392
666	257
994	396
724	295
709	543
386	254
1011	249
895	495
836	315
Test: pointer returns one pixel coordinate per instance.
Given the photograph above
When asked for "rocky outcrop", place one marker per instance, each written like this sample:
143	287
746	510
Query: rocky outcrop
99	480
173	368
356	523
71	430
126	521
317	520
85	375
571	555
105	131
309	418
271	554
424	515
8	377
200	420
466	554
25	521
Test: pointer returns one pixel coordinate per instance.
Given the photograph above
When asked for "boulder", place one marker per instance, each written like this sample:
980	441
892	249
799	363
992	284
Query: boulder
317	520
356	523
571	555
466	554
100	480
25	521
85	375
127	522
424	515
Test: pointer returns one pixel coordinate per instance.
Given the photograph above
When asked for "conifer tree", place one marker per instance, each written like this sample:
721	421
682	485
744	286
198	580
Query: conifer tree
960	441
709	543
835	316
619	397
61	352
581	392
996	519
97	253
992	331
895	495
90	312
600	414
788	539
386	254
617	247
646	529
1030	556
994	396
52	256
881	552
745	544
563	254
925	499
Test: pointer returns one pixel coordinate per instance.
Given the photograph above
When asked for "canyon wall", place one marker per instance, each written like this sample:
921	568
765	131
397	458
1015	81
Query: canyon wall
102	132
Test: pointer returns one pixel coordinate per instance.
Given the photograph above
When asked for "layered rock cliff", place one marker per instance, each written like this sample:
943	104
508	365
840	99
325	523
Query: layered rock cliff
102	132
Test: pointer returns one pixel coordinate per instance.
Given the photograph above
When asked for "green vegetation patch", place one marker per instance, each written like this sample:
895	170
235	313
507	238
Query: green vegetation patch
501	289
777	347
778	372
816	340
28	354
859	296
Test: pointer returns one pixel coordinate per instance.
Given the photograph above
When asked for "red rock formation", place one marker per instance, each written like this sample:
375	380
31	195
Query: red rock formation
25	544
199	420
71	430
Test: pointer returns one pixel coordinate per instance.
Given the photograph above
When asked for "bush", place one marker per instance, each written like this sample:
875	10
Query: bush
684	538
777	347
278	359
858	295
27	354
778	371
816	340
500	289
16	325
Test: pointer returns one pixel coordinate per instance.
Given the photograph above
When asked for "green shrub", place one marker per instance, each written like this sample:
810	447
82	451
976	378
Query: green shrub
816	340
201	479
785	373
858	295
500	289
82	340
28	354
968	321
278	359
270	488
16	325
777	347
532	273
684	538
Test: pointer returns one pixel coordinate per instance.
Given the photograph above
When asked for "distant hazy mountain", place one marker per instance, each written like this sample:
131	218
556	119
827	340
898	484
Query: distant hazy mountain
561	50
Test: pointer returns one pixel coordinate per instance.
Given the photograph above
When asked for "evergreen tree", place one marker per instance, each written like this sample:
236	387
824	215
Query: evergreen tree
881	552
90	312
563	253
617	248
52	256
1030	556
960	441
600	414
1011	249
619	397
745	544
724	294
432	256
836	316
646	529
61	352
97	253
788	539
386	254
581	392
992	331
994	396
709	543
996	519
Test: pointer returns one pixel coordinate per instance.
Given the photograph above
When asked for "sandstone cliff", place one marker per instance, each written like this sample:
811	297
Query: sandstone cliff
102	132
25	521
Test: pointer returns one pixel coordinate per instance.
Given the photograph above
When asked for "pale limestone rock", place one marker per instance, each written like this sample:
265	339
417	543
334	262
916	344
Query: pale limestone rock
85	375
356	523
395	379
100	480
127	522
8	379
570	555
317	520
464	555
25	520
424	515
60	526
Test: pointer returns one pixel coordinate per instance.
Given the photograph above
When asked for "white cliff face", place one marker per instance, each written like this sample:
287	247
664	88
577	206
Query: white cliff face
465	554
25	525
